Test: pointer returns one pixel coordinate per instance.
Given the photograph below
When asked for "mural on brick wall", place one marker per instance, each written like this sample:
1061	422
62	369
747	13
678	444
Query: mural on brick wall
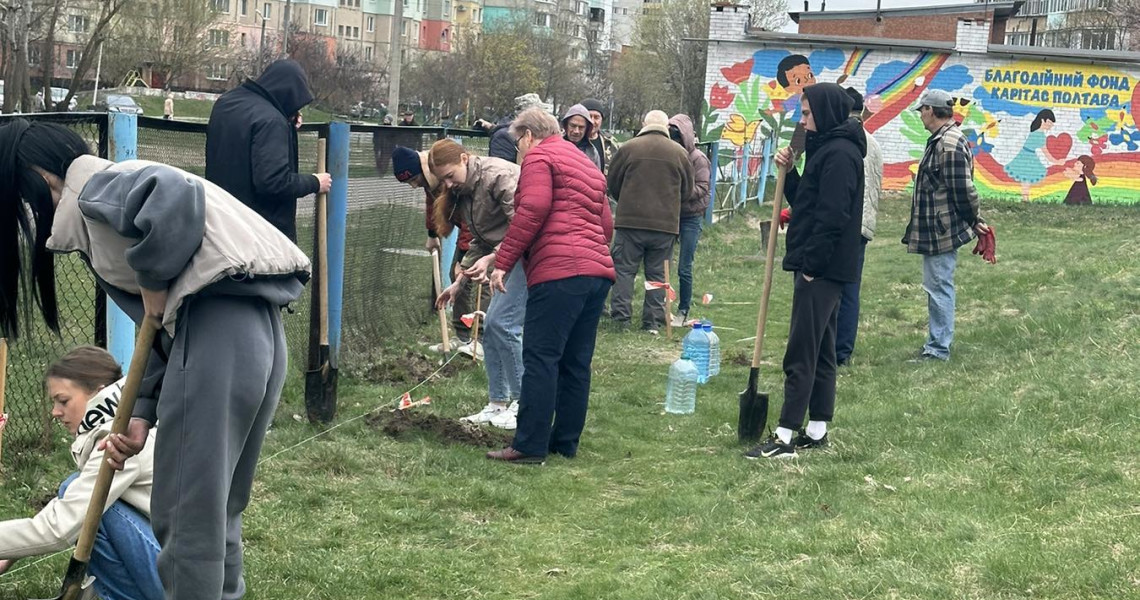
1040	131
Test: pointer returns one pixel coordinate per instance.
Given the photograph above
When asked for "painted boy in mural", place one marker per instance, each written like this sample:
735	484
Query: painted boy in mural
794	73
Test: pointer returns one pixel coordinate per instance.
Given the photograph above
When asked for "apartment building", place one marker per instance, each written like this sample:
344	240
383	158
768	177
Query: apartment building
1074	24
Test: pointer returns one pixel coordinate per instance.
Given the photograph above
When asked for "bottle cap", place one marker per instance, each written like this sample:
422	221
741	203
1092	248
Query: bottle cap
685	356
707	325
697	325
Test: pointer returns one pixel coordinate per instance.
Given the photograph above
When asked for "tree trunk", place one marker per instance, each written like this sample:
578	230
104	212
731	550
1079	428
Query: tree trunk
47	58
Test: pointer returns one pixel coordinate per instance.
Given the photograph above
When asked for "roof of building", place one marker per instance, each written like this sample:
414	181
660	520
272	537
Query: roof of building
1032	52
1000	9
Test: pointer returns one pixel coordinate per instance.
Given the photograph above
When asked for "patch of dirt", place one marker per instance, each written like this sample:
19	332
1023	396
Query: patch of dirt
38	504
409	368
402	424
739	358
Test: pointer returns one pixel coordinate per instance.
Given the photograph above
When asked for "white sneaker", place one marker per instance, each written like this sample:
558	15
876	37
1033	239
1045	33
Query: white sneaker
467	350
679	319
507	419
439	347
488	413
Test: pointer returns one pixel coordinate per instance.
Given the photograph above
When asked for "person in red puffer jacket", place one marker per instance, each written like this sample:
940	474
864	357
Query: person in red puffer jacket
561	230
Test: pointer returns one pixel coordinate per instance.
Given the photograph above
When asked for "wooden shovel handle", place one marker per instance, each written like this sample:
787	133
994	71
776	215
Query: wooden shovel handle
773	231
323	246
435	271
143	345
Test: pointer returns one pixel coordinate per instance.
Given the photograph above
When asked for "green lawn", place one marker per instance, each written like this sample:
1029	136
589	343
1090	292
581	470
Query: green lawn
1009	472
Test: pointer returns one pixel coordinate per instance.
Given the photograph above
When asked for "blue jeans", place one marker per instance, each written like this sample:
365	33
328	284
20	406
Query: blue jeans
561	328
502	339
938	282
690	235
124	560
848	325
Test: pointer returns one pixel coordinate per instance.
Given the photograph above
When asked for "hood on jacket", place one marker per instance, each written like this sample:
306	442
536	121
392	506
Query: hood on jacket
579	111
101	407
685	125
285	81
831	109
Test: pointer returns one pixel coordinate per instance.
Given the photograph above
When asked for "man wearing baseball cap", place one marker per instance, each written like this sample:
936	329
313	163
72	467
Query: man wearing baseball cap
944	215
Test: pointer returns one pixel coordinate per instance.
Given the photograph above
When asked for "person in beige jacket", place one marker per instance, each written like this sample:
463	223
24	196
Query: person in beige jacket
84	387
482	191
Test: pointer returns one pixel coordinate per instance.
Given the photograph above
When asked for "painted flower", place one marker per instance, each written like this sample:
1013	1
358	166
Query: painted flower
721	97
1122	119
1130	139
1097	145
738	131
738	73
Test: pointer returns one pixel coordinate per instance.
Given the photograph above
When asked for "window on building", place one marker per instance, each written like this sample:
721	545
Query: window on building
580	31
582	8
542	20
243	40
340	30
356	32
33	55
243	7
221	6
267	11
73	58
219	38
371	24
77	23
447	8
404	31
218	71
368	53
321	17
443	35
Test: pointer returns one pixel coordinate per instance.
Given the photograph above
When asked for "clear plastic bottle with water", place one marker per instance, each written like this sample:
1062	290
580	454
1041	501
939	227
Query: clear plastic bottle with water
681	390
714	348
696	345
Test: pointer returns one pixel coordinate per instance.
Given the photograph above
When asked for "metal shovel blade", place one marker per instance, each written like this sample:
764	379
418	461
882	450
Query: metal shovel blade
753	411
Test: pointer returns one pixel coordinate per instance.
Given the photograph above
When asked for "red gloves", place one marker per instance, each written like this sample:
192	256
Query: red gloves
987	246
785	216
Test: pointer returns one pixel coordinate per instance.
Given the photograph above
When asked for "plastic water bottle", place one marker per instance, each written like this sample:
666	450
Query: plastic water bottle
681	390
714	348
696	345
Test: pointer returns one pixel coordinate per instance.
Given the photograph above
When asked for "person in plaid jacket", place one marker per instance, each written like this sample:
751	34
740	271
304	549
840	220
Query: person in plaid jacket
944	215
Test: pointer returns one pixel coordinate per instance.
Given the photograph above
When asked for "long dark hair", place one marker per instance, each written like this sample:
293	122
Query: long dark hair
1045	115
26	215
1089	165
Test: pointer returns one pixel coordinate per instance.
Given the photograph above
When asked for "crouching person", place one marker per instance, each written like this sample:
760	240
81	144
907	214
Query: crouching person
84	388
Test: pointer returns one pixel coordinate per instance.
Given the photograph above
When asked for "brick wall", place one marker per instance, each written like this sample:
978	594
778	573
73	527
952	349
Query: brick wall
1038	127
935	28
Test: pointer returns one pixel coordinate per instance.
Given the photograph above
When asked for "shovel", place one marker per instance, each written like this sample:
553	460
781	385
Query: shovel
435	260
321	378
76	580
754	404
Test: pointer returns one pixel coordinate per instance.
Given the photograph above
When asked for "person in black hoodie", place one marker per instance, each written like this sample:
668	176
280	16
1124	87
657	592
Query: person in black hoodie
822	252
251	145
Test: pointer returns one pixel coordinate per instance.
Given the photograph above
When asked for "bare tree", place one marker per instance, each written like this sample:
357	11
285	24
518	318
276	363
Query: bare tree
20	24
107	11
671	31
769	15
175	38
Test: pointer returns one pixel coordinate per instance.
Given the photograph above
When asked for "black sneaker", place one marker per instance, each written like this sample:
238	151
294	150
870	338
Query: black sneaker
803	441
772	448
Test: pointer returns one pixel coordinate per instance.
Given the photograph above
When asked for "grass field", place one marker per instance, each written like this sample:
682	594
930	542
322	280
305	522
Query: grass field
1008	473
199	110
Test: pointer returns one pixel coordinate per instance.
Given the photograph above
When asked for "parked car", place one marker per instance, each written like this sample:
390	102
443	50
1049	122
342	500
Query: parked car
119	103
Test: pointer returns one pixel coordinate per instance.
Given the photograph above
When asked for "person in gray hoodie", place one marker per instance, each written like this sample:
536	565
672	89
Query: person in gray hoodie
692	211
577	127
163	244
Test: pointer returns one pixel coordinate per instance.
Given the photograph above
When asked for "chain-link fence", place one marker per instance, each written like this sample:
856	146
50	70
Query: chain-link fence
31	431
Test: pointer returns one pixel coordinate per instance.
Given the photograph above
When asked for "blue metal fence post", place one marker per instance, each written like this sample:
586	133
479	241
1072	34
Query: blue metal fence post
714	152
338	149
123	142
764	169
742	188
446	255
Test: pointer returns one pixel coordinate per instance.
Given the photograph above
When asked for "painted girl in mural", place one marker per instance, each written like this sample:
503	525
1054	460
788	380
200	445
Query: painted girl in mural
1082	171
1027	168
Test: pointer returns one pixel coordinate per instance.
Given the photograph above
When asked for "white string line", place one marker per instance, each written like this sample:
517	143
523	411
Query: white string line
358	417
267	459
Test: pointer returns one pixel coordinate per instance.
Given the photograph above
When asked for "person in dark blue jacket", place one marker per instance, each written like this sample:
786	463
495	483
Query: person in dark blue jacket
251	144
823	254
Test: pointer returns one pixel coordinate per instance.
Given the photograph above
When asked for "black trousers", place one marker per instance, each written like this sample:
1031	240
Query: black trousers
561	328
809	361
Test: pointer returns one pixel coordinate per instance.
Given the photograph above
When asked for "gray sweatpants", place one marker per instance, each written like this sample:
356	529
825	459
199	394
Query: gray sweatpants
632	247
223	380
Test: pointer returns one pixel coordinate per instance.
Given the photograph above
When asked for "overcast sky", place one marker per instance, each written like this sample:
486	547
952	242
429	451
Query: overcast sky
798	5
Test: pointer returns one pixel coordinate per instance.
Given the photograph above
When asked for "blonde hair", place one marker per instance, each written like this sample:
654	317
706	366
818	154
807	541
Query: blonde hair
537	121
